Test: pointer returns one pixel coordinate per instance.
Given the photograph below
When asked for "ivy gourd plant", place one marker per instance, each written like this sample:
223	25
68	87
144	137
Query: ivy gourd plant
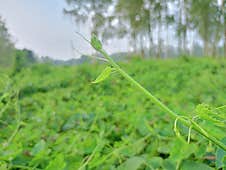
191	123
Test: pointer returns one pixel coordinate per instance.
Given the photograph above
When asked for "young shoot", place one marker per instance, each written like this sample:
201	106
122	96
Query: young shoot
189	122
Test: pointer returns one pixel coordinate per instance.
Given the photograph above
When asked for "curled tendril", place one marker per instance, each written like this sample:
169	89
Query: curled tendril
177	132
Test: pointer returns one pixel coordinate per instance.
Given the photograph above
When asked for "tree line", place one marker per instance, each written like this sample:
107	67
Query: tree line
6	45
11	57
156	25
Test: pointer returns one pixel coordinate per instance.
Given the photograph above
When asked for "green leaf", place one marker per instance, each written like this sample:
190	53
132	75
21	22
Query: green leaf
168	165
39	152
188	165
132	163
38	147
181	150
221	156
155	162
3	165
95	42
57	164
105	74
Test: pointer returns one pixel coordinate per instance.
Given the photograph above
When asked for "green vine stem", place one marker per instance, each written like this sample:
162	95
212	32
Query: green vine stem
96	44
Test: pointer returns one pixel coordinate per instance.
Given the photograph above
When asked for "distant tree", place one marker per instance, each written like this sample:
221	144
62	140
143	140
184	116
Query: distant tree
205	21
138	18
217	30
23	58
223	16
95	11
182	24
6	46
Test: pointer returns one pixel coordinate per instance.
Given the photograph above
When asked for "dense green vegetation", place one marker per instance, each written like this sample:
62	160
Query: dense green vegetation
54	118
62	118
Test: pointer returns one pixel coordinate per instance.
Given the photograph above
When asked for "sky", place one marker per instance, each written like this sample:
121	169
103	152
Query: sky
40	25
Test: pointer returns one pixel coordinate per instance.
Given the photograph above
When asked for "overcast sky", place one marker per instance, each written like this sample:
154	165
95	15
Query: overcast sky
41	26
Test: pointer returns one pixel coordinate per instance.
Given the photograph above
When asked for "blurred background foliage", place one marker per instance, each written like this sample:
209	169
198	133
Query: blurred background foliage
149	24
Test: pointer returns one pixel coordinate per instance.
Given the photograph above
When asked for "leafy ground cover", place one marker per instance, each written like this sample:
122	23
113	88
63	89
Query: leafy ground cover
55	118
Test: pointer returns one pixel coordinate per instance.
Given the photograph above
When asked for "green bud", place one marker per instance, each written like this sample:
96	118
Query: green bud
95	42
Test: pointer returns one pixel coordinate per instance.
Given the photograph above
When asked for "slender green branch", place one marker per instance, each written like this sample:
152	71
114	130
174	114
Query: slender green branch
12	136
18	121
186	121
90	157
24	167
221	107
92	154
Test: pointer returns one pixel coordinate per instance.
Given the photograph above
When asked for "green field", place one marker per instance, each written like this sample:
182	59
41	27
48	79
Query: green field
54	118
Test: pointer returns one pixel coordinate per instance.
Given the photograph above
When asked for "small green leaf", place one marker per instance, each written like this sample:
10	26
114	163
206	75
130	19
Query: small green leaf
57	164
155	162
188	164
38	147
132	163
181	149
95	42
105	74
221	156
169	164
